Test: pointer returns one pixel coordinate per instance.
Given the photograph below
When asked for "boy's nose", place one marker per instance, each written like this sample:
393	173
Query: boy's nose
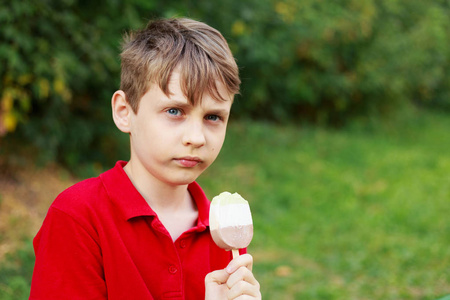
194	135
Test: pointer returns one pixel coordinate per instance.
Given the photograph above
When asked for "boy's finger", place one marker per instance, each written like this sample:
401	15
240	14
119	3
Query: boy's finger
218	277
244	260
244	289
242	275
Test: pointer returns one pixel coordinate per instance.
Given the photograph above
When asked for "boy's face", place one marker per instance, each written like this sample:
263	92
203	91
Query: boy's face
173	141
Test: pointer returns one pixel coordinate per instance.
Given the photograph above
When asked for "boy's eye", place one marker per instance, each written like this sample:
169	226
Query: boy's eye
212	118
174	111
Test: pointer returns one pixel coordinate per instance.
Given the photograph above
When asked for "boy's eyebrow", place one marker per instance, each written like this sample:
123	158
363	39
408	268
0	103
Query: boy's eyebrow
176	102
185	104
219	112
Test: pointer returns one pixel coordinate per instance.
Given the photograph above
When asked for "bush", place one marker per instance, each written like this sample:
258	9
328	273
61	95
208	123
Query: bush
59	69
328	62
316	61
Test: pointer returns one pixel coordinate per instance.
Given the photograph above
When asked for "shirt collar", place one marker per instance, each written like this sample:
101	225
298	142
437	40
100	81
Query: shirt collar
130	202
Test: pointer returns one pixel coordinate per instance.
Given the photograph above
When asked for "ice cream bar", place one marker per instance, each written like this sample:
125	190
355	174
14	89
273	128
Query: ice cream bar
230	221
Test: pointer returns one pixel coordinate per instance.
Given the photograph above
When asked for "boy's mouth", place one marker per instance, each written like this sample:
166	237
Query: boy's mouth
188	161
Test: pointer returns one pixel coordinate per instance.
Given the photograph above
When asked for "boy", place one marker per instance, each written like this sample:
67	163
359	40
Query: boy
140	230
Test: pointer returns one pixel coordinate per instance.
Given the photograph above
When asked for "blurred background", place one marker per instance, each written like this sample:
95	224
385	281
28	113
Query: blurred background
339	139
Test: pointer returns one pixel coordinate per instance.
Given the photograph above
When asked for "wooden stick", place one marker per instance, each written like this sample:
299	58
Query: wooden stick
235	253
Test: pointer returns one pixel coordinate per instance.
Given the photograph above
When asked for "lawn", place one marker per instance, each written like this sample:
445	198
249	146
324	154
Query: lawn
357	213
360	213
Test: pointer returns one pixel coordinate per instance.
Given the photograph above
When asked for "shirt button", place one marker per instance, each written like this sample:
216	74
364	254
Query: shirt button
173	269
182	244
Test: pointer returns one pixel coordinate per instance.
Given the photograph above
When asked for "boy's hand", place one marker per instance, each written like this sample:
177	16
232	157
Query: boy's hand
236	281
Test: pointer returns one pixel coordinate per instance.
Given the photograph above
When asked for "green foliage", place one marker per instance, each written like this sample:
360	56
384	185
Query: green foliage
330	61
309	61
59	67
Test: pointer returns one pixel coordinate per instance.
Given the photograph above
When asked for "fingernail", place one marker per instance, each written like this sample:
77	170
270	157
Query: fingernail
229	269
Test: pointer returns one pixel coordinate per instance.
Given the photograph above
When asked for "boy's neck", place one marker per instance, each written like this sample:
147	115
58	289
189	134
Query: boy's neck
173	204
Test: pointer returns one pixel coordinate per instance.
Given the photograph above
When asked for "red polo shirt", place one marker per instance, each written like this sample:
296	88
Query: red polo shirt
101	240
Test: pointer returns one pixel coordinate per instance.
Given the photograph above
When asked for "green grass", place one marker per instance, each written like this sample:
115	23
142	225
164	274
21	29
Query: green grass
357	213
15	274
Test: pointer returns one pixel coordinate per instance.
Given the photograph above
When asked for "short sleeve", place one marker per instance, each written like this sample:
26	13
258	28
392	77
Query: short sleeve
68	261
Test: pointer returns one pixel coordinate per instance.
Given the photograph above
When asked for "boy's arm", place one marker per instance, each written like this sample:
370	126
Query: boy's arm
68	261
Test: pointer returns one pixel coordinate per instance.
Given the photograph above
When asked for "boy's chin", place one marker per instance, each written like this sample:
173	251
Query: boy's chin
183	180
189	175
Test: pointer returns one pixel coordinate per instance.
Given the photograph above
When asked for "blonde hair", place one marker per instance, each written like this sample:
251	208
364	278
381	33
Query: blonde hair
149	56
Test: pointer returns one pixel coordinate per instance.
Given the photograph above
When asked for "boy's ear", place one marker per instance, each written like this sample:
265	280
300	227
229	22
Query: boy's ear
121	111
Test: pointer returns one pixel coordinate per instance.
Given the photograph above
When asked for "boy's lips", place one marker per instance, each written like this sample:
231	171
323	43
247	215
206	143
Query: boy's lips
188	161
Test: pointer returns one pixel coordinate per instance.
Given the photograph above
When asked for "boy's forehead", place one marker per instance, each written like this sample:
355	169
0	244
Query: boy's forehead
177	82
